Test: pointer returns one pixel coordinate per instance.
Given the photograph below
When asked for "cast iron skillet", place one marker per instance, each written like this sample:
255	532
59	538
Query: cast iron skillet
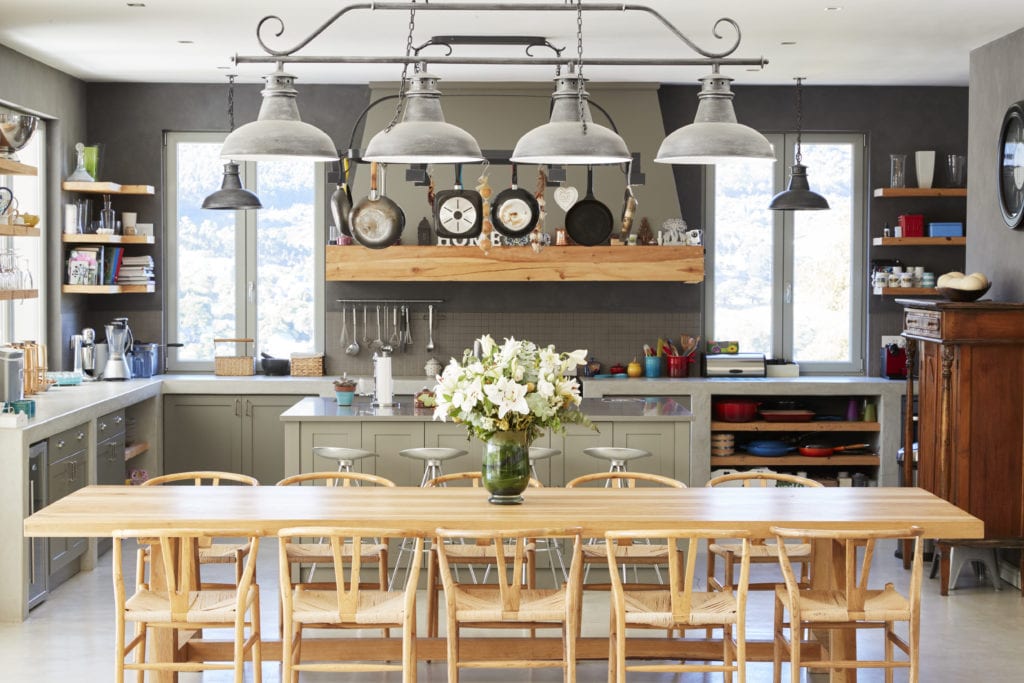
515	211
589	222
341	201
376	221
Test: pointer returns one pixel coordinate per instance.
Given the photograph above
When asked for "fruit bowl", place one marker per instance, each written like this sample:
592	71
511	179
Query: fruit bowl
963	294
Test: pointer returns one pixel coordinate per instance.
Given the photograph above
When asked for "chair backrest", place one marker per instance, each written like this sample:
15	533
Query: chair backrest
762	479
858	573
203	478
686	544
474	478
342	479
624	480
509	578
346	566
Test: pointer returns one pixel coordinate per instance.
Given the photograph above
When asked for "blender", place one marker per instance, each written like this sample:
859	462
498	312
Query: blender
119	343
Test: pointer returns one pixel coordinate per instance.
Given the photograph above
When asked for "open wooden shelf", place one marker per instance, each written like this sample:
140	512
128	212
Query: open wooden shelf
107	239
18	231
132	450
108	289
515	264
920	191
12	294
811	426
106	187
743	460
919	241
908	291
9	167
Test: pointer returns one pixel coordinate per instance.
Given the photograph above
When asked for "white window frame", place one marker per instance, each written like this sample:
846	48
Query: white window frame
782	256
245	252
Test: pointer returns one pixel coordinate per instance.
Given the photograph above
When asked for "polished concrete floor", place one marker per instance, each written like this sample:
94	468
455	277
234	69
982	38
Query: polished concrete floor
69	637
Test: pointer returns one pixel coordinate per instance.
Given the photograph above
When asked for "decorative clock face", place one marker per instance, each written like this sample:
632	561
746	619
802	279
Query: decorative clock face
1011	166
458	216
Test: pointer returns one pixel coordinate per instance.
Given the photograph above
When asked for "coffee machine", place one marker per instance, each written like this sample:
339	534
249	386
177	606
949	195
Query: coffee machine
119	344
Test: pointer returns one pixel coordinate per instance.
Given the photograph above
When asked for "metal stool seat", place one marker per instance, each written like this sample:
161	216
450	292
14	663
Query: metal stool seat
549	545
346	457
432	458
617	456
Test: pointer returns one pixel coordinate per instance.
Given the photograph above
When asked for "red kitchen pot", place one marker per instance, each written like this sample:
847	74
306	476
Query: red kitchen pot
734	410
819	451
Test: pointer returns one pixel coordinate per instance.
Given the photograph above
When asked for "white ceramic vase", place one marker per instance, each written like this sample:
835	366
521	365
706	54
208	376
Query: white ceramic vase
925	163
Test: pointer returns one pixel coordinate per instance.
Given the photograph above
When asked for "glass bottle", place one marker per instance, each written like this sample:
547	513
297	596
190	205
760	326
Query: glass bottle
107	214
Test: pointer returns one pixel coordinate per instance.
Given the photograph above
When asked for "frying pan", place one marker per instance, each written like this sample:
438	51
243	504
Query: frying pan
376	221
341	201
589	222
515	211
458	213
819	451
628	211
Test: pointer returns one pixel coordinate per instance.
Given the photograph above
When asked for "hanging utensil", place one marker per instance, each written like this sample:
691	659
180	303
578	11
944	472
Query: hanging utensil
430	327
628	211
343	337
378	342
395	339
353	348
515	211
458	213
407	340
376	221
589	222
341	200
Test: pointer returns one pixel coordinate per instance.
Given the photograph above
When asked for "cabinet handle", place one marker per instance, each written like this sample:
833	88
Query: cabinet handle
103	426
81	435
31	511
238	407
118	419
60	444
248	408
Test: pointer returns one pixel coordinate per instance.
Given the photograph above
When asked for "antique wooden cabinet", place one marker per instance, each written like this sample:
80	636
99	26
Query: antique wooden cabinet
970	409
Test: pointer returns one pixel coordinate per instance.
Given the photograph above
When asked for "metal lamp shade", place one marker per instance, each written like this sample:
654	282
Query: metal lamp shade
422	136
278	131
231	194
798	196
714	136
563	140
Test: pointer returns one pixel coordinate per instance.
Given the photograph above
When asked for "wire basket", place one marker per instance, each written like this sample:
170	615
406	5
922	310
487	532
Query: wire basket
307	366
232	366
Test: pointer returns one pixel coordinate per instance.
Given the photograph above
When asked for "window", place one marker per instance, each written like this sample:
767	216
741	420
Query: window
789	283
235	274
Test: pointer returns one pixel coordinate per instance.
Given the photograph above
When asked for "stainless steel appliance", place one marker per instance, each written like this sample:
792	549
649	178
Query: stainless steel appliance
119	344
37	568
91	364
12	374
733	365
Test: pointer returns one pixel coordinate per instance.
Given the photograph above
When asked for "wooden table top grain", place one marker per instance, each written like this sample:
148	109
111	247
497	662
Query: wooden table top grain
98	511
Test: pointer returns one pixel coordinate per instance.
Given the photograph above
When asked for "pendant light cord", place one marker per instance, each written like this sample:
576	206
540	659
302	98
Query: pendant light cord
231	102
405	69
799	117
579	64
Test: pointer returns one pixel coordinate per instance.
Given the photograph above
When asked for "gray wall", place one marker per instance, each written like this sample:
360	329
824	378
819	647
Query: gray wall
997	81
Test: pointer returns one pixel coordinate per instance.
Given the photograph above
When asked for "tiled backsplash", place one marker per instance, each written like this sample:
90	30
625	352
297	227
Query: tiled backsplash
608	337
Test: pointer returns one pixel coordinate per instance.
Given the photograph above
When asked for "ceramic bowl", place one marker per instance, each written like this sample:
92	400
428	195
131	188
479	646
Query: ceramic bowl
963	294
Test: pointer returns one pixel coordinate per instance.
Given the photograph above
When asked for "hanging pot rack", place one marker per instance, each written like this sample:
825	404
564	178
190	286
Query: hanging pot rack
707	57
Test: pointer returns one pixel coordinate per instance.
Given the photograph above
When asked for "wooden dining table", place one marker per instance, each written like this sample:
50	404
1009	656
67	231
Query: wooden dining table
98	511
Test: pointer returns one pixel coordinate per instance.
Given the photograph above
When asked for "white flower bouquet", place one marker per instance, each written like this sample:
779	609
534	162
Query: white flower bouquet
513	387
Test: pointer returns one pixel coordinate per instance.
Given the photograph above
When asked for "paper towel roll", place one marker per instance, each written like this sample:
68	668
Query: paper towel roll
383	380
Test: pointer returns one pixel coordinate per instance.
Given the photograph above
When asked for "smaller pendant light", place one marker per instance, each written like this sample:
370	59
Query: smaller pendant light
798	196
231	194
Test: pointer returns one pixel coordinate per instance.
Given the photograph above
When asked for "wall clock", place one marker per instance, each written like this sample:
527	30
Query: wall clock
1011	165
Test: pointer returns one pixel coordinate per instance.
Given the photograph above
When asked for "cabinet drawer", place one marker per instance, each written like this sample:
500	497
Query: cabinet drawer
110	424
67	442
918	323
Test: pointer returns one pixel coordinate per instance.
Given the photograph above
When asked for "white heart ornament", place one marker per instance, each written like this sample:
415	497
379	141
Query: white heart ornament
566	196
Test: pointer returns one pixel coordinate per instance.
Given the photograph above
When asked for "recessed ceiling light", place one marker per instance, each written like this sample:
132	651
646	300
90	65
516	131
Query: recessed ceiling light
136	4
186	42
835	8
788	42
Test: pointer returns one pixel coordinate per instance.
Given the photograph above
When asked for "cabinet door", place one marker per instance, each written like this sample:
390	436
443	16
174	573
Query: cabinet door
451	435
263	436
338	434
110	460
202	433
386	439
79	479
929	417
577	438
64	476
656	437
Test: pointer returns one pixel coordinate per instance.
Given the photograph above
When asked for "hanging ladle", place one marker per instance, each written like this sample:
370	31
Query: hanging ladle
353	348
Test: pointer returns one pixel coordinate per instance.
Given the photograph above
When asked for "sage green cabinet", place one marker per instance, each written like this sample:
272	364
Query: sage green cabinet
68	471
386	439
667	441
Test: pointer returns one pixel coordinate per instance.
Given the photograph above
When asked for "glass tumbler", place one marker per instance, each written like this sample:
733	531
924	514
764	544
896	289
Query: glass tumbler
897	170
956	167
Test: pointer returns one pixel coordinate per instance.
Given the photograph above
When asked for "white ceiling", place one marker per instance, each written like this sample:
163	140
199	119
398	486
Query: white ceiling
864	42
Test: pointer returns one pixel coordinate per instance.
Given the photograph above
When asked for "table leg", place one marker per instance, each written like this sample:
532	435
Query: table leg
828	571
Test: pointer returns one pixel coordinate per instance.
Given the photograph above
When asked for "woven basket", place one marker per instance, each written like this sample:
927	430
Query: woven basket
307	366
232	366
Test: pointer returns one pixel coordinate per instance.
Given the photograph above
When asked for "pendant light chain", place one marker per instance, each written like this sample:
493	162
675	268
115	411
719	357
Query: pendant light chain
231	102
799	117
579	64
405	69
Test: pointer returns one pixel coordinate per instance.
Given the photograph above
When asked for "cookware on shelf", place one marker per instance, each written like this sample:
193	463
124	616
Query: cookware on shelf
458	213
515	211
769	447
794	415
822	451
341	200
588	221
376	221
734	410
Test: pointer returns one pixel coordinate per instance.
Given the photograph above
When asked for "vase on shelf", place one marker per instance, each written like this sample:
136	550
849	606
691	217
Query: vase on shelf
506	467
924	161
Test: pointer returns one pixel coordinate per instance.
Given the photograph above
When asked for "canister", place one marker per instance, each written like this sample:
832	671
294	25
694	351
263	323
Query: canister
12	374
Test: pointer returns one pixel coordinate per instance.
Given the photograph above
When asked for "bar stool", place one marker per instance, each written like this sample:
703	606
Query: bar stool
618	457
346	457
432	458
548	545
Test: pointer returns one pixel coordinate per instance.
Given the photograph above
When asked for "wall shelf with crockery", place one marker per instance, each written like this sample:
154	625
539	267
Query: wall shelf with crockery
68	238
13	294
108	289
105	187
18	231
741	460
897	192
919	241
906	291
9	167
815	426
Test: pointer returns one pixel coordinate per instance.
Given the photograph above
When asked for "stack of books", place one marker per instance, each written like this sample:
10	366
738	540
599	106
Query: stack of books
135	270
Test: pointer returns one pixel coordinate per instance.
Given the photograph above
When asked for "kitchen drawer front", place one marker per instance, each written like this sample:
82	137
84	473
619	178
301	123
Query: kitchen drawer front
110	424
67	442
918	323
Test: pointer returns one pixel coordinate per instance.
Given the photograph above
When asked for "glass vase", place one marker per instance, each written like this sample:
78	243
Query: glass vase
506	467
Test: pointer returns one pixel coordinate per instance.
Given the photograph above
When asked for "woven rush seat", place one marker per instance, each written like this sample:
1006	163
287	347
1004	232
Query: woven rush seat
320	606
830	606
203	606
654	609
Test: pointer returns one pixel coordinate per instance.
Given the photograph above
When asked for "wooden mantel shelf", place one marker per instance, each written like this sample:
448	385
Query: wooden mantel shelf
515	264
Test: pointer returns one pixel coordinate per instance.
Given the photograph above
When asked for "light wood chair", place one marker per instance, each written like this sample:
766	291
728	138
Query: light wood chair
174	598
762	551
210	552
679	605
345	603
850	605
510	604
471	555
641	553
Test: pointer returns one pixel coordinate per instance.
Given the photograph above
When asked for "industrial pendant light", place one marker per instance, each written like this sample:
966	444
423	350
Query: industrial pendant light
798	196
570	136
278	131
421	135
231	194
714	136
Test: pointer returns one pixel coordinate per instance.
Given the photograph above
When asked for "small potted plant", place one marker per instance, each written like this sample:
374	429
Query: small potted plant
344	390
